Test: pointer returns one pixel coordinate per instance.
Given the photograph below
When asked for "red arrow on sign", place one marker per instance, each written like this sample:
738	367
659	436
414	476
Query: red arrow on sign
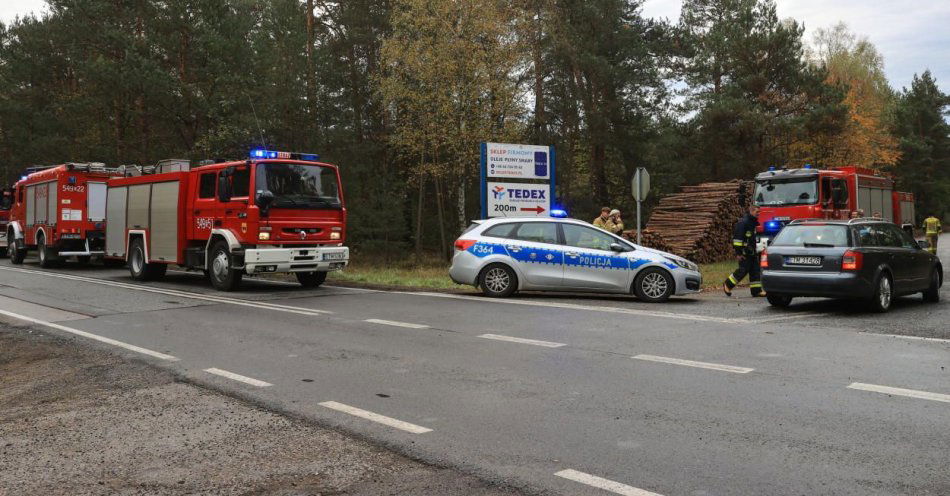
536	210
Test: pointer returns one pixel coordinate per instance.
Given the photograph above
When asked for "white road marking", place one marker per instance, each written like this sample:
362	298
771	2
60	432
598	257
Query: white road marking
397	324
175	292
798	315
915	338
375	417
238	377
499	337
605	484
89	335
910	393
691	363
575	306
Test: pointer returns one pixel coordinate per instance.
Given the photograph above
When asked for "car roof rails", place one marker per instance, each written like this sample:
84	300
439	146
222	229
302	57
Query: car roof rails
799	221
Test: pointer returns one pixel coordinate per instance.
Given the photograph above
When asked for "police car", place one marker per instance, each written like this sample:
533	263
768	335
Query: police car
505	255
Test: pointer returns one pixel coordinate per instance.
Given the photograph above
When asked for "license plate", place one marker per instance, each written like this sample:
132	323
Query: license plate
803	260
334	256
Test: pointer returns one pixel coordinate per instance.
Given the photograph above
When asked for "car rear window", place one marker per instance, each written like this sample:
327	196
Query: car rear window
813	236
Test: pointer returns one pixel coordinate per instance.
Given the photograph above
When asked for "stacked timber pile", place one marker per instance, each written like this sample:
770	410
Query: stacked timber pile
651	239
697	222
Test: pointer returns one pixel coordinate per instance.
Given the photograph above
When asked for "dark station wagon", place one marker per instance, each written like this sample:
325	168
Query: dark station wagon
866	259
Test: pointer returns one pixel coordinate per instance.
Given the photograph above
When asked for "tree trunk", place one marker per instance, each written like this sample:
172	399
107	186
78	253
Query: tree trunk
540	127
463	219
418	240
439	208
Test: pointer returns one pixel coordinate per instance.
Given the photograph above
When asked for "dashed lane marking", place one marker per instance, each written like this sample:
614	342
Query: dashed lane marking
179	293
900	336
691	363
397	324
375	417
499	337
89	335
789	316
238	377
605	484
910	393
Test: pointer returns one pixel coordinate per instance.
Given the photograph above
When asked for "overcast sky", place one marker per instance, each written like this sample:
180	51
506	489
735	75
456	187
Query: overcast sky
913	35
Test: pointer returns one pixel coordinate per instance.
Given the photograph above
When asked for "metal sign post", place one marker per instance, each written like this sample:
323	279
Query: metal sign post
641	188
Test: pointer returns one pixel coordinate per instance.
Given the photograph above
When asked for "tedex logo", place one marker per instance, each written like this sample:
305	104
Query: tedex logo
499	192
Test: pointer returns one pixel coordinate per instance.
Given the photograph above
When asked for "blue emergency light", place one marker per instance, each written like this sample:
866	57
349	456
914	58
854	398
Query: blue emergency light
261	153
773	225
771	167
808	166
559	213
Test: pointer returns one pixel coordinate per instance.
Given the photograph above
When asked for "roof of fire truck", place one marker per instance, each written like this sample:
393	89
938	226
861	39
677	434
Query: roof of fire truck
809	171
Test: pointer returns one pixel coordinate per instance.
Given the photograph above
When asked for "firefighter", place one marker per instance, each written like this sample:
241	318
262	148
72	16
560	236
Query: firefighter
601	220
744	242
932	226
614	223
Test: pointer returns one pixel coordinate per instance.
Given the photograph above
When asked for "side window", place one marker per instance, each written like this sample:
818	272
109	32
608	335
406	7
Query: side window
867	236
20	194
241	182
905	239
499	231
889	237
538	232
826	192
206	185
585	237
840	187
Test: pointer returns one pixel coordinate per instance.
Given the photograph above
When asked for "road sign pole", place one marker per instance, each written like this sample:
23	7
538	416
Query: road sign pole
639	237
641	188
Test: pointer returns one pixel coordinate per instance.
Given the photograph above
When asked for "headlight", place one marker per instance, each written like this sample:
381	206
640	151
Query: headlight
264	236
686	264
334	235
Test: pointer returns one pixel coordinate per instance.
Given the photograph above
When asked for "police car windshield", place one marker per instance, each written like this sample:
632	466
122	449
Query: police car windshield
773	193
300	186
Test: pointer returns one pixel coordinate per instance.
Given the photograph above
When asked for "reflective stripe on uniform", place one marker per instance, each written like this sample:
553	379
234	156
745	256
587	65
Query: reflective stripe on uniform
755	284
733	280
738	243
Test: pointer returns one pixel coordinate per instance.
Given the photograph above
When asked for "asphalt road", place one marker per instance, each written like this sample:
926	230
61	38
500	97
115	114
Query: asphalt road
569	394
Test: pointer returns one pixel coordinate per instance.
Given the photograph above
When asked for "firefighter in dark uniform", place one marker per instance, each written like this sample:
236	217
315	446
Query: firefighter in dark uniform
744	242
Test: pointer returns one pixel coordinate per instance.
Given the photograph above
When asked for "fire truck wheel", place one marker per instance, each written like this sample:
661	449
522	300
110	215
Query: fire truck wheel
17	252
48	257
311	279
139	267
223	276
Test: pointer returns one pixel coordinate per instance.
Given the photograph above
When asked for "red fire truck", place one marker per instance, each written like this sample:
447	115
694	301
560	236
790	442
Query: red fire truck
274	212
808	193
6	201
60	212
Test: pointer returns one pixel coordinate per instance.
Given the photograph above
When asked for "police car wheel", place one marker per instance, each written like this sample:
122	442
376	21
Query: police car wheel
498	280
311	279
223	276
653	285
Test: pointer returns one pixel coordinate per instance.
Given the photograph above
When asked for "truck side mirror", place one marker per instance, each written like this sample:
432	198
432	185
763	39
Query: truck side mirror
224	186
264	200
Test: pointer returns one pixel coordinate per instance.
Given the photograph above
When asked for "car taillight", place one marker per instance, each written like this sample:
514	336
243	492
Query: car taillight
764	260
852	260
463	244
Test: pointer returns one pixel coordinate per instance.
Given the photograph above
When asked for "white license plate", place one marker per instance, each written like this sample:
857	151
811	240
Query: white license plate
334	256
803	260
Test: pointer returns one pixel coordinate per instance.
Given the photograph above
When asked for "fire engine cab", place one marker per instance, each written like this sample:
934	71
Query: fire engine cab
273	212
808	193
60	212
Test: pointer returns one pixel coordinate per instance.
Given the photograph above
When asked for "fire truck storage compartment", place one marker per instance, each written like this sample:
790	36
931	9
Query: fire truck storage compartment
40	203
151	207
96	202
115	221
876	200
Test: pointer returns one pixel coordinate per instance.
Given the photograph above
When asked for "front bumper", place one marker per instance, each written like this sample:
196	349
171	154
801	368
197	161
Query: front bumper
687	281
820	284
304	259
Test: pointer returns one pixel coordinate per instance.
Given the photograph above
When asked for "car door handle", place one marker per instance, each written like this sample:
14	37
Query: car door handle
513	248
571	253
